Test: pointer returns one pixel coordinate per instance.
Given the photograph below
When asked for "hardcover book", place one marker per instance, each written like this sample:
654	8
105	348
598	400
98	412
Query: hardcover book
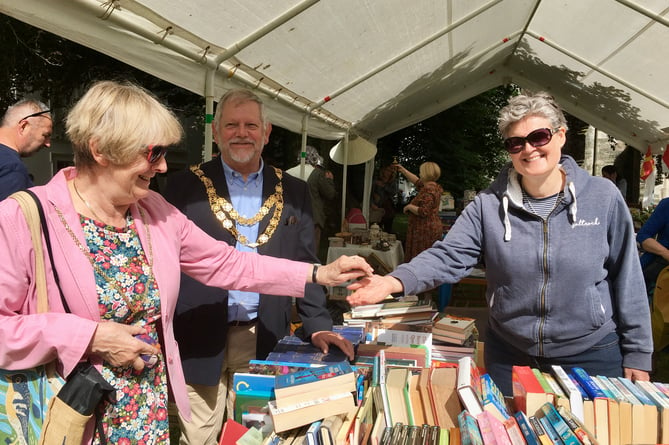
424	393
416	405
397	383
444	396
469	385
453	323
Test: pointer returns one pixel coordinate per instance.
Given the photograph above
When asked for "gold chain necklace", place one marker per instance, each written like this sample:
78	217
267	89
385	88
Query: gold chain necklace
76	190
228	216
137	306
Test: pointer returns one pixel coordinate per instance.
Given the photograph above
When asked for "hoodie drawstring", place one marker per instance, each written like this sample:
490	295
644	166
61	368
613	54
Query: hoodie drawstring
573	208
507	222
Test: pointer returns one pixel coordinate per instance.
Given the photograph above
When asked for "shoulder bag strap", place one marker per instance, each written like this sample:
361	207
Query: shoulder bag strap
35	207
31	213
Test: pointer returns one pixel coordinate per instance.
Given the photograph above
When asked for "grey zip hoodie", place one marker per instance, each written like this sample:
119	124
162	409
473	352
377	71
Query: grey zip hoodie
555	287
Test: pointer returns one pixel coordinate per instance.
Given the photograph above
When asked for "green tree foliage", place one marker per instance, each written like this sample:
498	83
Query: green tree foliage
463	140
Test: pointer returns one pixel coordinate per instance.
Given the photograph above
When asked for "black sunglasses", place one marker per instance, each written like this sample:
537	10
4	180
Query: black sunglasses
155	152
39	113
536	138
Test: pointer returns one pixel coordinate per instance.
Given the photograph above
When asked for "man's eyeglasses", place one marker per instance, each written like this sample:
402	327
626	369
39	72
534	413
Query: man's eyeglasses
536	138
155	152
39	113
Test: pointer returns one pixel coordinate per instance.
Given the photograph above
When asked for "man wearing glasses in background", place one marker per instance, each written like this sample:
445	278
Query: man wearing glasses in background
25	129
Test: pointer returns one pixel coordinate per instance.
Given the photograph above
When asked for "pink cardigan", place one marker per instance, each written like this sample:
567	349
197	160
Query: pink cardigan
30	339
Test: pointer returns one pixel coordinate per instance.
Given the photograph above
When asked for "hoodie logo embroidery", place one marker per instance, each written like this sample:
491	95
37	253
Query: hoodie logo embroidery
582	222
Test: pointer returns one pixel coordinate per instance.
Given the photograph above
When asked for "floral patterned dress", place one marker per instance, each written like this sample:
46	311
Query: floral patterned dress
426	227
128	294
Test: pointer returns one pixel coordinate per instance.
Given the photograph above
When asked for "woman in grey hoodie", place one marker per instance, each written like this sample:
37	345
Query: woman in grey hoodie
564	281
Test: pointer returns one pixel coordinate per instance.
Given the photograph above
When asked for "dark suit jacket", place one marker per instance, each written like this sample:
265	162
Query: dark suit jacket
200	323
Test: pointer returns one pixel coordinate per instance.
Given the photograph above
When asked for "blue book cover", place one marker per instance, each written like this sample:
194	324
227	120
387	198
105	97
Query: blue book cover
584	379
492	398
636	391
354	334
292	349
527	430
252	392
258	383
312	375
312	437
559	425
549	430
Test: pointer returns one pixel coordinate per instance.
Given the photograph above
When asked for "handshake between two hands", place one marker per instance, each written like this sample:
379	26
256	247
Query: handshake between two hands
367	287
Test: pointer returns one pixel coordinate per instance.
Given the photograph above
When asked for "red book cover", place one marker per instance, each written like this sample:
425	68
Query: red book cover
232	431
528	394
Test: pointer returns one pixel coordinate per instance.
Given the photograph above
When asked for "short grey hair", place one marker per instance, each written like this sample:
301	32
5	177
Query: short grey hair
15	113
240	96
527	104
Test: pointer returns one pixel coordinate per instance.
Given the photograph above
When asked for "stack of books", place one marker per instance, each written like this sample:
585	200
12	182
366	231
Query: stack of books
312	394
409	309
454	330
454	337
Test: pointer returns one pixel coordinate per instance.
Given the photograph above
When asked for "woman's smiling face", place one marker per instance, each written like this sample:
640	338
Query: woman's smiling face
536	161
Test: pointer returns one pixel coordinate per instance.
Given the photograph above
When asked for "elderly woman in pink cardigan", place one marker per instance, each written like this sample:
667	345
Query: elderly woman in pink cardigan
119	249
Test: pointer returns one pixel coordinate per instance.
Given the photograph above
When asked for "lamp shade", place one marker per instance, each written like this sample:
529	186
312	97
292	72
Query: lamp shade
360	150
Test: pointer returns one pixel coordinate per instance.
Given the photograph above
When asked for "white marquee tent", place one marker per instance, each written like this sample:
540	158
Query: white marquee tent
367	68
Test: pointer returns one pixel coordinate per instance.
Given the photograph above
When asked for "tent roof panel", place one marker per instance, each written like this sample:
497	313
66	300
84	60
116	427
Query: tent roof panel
387	64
